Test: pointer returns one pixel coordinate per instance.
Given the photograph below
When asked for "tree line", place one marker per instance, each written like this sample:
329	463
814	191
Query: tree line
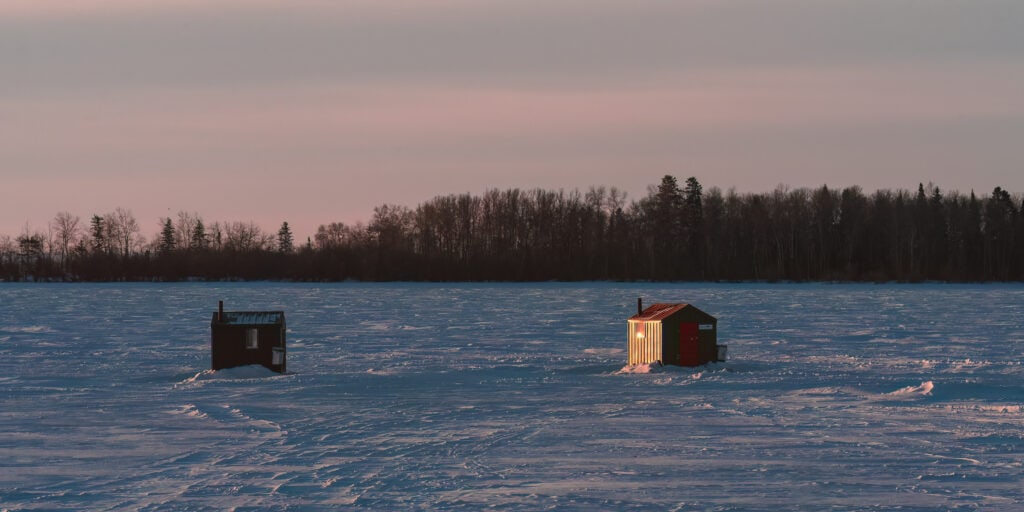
675	232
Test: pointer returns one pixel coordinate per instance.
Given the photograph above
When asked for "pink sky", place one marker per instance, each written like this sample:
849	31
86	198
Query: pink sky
319	111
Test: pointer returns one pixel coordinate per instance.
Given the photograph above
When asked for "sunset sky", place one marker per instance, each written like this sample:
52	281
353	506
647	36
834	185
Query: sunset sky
314	111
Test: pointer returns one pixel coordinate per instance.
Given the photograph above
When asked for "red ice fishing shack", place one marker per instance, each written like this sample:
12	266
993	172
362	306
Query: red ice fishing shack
676	334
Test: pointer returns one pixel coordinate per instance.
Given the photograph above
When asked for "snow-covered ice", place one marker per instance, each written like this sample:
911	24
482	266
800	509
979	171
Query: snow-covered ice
513	396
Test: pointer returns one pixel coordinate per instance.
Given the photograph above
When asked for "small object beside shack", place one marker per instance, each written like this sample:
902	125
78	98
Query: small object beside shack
676	334
241	338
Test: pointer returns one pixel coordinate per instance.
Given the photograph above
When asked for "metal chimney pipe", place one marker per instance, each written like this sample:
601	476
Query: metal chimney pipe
639	306
220	311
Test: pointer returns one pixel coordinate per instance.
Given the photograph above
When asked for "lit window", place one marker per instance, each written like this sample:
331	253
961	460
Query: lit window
251	338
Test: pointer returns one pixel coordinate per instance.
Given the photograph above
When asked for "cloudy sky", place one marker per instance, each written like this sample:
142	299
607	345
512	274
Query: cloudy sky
314	111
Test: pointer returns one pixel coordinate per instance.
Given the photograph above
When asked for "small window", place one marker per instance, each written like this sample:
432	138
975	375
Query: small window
251	338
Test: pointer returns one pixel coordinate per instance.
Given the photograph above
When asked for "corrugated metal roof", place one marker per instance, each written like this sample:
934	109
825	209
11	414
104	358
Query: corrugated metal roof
658	312
253	317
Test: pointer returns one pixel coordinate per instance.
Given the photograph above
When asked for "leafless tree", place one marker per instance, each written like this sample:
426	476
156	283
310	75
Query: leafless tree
391	224
596	197
246	236
331	236
185	228
66	229
616	199
8	249
216	236
123	230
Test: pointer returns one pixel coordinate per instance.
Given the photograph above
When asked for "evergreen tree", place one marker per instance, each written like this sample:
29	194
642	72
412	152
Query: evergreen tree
692	199
284	239
938	236
693	229
199	235
98	231
825	234
167	243
30	246
998	228
667	227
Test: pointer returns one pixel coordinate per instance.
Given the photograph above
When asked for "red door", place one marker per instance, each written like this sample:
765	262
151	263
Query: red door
688	341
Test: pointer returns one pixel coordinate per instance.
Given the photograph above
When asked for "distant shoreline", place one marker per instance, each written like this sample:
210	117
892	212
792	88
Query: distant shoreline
677	233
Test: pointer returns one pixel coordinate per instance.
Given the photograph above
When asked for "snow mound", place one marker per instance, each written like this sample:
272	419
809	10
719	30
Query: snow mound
252	371
190	410
641	368
924	389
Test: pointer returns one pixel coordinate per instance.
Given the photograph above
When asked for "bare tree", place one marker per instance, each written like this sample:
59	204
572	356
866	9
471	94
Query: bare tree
246	236
216	236
8	249
596	197
391	225
333	235
112	232
616	199
66	230
123	230
185	228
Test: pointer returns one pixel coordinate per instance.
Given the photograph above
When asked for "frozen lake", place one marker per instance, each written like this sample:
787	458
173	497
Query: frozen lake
469	396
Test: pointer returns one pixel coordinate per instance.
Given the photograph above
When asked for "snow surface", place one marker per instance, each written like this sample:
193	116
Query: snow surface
513	396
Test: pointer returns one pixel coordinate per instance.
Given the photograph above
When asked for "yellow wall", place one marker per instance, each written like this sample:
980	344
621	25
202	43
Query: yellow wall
646	349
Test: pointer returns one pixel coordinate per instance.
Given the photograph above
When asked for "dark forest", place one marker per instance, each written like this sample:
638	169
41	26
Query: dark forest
677	232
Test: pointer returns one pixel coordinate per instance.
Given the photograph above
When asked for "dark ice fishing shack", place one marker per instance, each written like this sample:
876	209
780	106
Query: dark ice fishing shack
240	338
676	334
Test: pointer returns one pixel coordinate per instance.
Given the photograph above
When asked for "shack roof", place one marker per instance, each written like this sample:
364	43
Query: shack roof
250	318
662	311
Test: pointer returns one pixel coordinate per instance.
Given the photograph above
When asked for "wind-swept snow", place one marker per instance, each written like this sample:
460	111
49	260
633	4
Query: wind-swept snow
513	396
924	389
253	371
641	368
